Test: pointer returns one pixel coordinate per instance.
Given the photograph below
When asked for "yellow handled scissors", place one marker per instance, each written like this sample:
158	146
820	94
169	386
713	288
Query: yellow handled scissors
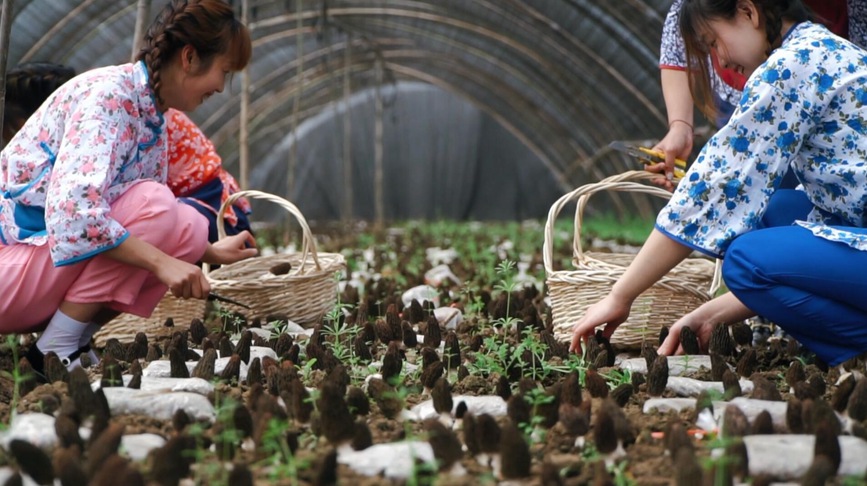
649	156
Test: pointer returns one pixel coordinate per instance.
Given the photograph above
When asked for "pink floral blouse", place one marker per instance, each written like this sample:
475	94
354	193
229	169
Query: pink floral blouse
94	138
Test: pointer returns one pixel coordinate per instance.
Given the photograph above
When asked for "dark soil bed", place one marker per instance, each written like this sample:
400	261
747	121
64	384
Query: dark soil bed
504	346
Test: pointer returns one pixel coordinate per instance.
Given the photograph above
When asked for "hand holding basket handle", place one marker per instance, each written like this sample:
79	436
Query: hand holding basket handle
231	249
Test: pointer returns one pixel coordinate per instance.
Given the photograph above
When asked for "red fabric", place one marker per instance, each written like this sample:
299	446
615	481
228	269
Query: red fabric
731	77
194	161
834	14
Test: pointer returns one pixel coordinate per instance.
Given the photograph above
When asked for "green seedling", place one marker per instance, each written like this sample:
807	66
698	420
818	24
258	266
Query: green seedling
533	431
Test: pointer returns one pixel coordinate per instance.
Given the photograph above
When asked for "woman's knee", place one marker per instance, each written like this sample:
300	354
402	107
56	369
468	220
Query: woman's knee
739	265
146	204
191	234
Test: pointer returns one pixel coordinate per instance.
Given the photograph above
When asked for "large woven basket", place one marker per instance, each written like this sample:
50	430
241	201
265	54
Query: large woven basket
303	295
687	286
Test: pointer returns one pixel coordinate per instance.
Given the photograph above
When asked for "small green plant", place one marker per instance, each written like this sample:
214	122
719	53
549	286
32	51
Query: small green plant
853	481
15	375
507	284
496	356
474	304
206	471
533	431
277	328
307	370
621	475
721	463
616	377
231	322
537	350
575	363
279	457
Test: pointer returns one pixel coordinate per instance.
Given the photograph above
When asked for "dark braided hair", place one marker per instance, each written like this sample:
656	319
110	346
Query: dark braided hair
28	85
695	16
209	26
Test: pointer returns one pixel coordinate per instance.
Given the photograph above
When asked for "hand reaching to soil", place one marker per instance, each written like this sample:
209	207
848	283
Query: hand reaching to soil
231	249
702	329
721	310
610	311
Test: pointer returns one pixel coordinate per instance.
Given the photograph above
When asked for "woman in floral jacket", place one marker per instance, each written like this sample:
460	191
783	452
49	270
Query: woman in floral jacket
88	228
797	257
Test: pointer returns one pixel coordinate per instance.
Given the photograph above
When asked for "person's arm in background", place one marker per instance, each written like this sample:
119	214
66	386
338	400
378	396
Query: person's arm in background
678	141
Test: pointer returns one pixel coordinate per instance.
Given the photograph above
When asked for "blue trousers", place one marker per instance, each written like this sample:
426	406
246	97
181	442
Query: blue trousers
815	289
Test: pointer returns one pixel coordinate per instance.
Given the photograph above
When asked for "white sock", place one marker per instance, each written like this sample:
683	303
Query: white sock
62	336
89	331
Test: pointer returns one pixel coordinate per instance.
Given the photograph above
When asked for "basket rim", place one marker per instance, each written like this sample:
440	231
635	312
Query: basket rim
331	262
623	182
308	242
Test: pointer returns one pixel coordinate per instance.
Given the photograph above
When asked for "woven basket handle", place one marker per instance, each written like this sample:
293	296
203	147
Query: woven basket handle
308	244
624	182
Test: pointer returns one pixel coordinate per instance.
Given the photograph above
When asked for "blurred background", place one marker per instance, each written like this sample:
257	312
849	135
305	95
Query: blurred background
406	109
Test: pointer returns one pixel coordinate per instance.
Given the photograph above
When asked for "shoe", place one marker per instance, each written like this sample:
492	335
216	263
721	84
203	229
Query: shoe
37	360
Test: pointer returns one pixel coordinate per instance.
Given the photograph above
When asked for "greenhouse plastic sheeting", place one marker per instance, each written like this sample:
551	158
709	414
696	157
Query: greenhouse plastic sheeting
491	108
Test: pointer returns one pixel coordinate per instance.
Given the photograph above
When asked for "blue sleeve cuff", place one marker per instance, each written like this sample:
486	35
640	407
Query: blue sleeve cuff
93	253
688	244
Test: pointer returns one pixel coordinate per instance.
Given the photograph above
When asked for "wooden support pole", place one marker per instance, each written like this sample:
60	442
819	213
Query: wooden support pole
244	137
5	29
141	21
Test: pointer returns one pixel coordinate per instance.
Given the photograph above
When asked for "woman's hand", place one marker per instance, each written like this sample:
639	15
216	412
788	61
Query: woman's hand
184	280
721	310
702	328
231	249
677	144
610	311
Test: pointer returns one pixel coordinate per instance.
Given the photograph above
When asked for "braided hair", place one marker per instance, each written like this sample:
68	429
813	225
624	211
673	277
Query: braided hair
28	85
694	18
209	26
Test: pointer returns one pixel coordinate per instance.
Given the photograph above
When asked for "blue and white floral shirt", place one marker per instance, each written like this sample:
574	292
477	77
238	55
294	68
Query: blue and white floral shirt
805	107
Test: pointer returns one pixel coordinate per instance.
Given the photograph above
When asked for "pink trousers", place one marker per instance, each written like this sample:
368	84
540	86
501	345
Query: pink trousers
32	288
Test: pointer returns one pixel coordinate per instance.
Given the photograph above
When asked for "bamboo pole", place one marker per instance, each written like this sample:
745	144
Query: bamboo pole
377	148
141	20
296	102
244	136
347	132
5	29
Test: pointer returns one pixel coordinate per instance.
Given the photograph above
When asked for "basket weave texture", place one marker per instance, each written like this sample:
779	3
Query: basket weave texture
687	286
125	326
303	295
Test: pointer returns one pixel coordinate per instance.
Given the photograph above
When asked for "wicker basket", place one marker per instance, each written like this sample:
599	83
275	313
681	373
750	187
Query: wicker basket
303	295
125	326
687	286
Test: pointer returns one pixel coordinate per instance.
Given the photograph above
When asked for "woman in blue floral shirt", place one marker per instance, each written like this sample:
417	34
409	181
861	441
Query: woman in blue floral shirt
797	257
88	227
846	18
